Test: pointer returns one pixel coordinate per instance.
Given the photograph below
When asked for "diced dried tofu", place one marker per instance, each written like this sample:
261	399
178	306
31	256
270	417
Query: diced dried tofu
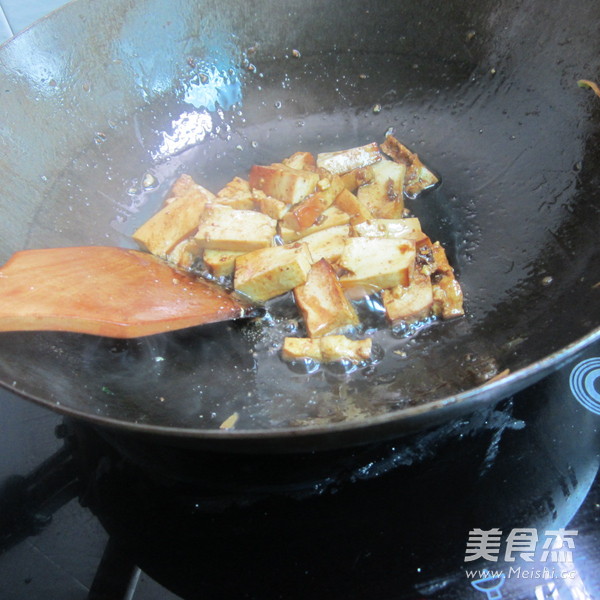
409	303
184	255
321	300
304	161
418	176
237	194
306	213
377	263
186	186
447	296
284	183
339	347
268	205
225	228
170	225
328	243
406	229
220	262
269	272
383	195
447	293
343	161
299	348
352	179
350	204
331	217
441	260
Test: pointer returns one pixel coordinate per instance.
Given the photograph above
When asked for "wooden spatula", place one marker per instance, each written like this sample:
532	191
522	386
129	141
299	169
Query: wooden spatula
106	291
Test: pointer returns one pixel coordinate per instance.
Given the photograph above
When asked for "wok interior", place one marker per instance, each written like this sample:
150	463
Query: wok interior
99	123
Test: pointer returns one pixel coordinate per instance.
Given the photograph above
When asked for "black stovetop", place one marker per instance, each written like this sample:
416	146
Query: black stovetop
391	522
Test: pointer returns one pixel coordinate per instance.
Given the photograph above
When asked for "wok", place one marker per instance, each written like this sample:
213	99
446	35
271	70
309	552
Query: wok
105	103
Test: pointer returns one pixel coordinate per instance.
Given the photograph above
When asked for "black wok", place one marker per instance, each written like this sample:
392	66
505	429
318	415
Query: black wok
104	103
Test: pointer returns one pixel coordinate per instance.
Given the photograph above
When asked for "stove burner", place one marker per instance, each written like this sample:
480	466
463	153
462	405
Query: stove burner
385	520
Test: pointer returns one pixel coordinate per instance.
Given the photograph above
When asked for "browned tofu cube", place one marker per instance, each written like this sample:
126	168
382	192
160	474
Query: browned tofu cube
339	347
441	260
377	263
269	272
383	196
447	296
447	293
268	205
186	186
328	243
356	177
331	217
399	229
350	204
307	212
418	176
304	161
301	348
284	183
236	194
410	303
343	161
225	228
184	254
322	302
221	263
170	225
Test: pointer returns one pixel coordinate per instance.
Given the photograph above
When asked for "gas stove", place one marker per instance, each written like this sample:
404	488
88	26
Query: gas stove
92	514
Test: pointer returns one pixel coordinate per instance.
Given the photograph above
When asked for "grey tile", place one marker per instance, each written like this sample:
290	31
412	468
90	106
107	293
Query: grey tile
22	13
5	30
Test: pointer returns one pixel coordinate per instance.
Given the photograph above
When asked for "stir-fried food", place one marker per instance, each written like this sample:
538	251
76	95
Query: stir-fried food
326	229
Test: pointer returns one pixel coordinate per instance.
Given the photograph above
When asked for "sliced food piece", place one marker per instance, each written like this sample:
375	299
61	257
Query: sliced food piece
184	255
237	194
186	186
307	212
282	182
301	348
220	262
447	293
339	347
328	243
322	302
447	297
343	161
331	217
409	303
331	348
268	205
225	228
383	196
377	263
405	229
269	272
352	179
170	225
350	204
304	161
418	176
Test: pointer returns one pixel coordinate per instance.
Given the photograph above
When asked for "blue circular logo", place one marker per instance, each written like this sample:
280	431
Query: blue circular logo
583	384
